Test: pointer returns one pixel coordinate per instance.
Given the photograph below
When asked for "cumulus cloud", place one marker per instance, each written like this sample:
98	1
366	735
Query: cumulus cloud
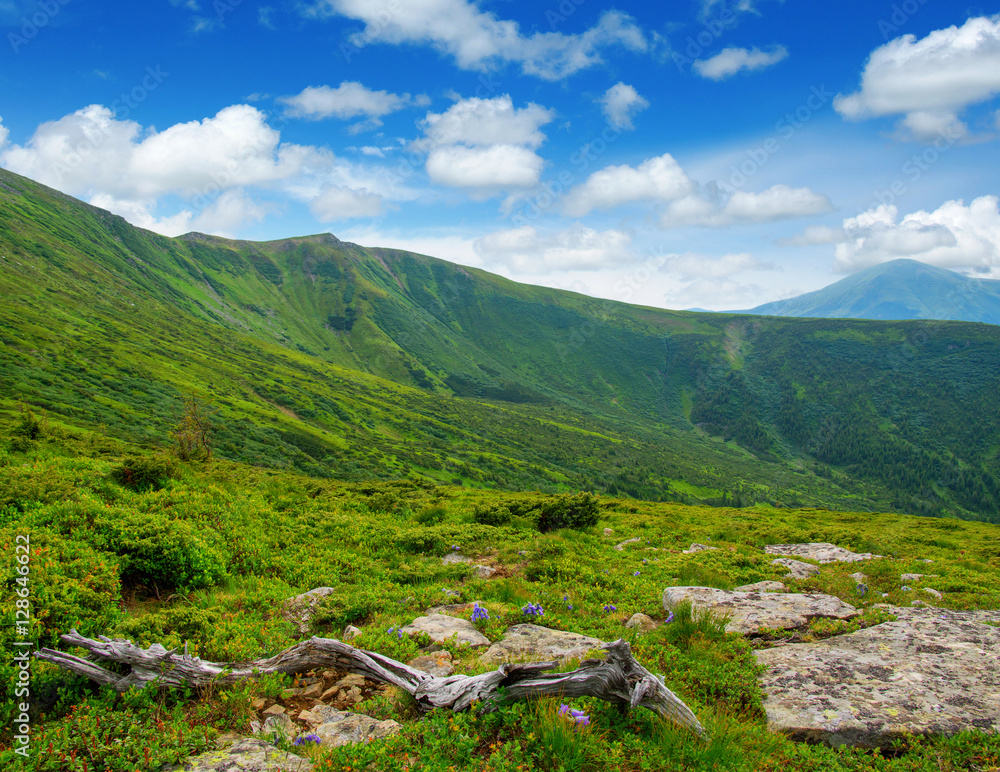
779	202
348	100
478	39
484	145
209	164
529	250
691	267
730	61
931	80
953	236
711	282
620	104
340	203
655	179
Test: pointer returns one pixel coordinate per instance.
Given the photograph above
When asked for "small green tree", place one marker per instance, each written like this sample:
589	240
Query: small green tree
193	434
24	436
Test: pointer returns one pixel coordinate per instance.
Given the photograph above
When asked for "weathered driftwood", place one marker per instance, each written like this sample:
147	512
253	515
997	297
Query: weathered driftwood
618	679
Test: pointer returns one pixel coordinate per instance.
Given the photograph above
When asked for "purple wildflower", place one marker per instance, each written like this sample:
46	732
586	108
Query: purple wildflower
478	612
309	738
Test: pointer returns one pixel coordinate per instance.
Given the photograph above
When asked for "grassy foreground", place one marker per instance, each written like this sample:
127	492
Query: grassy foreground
147	548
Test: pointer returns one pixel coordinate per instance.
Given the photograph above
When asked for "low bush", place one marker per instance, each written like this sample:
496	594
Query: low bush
144	473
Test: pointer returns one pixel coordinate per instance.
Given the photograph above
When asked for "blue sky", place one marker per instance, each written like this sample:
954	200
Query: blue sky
702	153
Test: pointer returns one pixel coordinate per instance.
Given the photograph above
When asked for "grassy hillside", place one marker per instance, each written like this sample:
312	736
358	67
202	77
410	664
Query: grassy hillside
203	554
360	363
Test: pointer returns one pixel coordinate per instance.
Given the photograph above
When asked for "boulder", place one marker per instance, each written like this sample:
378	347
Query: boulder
484	572
455	557
932	592
766	586
642	621
622	546
350	633
300	609
246	755
750	611
822	552
697	548
441	628
347	728
929	672
796	568
437	664
536	643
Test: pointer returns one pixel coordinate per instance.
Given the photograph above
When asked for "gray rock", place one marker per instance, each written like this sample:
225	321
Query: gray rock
641	621
484	572
859	577
455	557
456	609
904	588
319	714
246	755
904	578
633	540
536	643
279	725
750	611
347	728
932	592
441	628
822	552
796	568
765	586
930	672
300	609
608	531
350	633
697	548
437	664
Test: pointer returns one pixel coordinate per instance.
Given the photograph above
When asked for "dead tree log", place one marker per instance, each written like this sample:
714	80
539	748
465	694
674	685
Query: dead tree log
617	679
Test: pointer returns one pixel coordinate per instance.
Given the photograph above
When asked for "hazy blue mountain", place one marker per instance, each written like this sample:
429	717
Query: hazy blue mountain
900	289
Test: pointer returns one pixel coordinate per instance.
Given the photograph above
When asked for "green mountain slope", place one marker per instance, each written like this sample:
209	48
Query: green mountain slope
354	363
898	289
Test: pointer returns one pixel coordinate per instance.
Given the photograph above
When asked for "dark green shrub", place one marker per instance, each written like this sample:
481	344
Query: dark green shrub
171	627
142	473
432	515
492	514
568	511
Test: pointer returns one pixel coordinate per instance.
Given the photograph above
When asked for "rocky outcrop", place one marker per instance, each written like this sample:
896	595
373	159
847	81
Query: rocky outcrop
821	552
246	755
625	543
766	586
345	728
437	663
299	610
441	628
796	568
536	643
696	547
929	672
642	622
750	611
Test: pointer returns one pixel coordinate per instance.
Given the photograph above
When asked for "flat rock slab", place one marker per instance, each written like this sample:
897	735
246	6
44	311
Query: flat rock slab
536	643
441	628
347	728
930	672
750	611
765	586
796	568
247	755
822	552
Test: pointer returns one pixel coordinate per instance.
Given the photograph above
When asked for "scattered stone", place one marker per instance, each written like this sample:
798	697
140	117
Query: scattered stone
437	664
608	531
274	710
455	609
536	643
484	572
925	560
904	588
453	594
350	633
313	690
347	728
796	568
248	755
287	694
750	611
919	604
931	671
642	621
455	557
278	726
933	593
260	703
821	552
904	578
441	628
300	609
318	714
697	548
633	540
859	577
226	739
765	586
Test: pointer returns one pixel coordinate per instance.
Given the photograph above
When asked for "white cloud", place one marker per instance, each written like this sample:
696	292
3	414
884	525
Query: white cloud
711	282
528	250
655	179
4	133
929	80
730	61
348	100
620	104
209	164
454	248
340	203
480	122
477	39
953	236
690	267
779	202
484	146
485	169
